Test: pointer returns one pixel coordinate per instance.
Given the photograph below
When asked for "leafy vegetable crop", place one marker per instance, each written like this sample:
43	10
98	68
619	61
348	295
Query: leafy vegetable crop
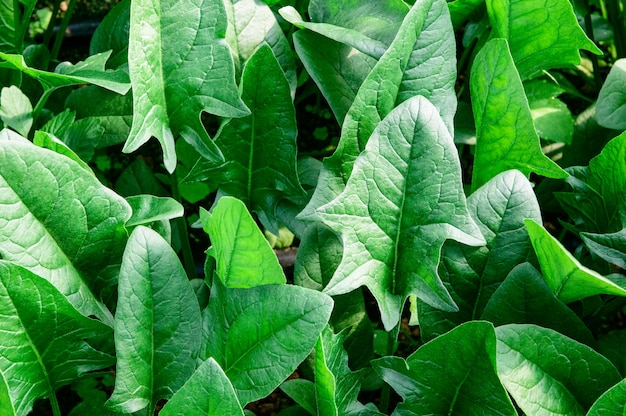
451	174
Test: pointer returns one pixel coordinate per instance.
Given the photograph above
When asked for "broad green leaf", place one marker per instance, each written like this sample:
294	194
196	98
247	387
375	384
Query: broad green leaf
611	403
112	34
208	392
243	255
387	218
6	407
59	222
113	112
461	10
150	208
16	111
421	60
611	345
260	149
611	106
611	247
90	71
552	118
177	71
567	278
43	345
471	274
319	255
256	24
525	297
7	26
157	324
454	374
49	141
505	134
139	179
541	35
548	373
81	136
302	391
250	333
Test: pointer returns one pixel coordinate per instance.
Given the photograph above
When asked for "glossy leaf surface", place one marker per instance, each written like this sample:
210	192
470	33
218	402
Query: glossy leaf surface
505	134
43	345
611	403
157	324
40	190
16	110
250	333
611	108
385	216
180	65
548	373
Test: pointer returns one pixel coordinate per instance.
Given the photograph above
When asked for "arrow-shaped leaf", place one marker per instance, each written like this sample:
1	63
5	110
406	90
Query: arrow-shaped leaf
43	343
180	65
403	200
157	324
505	134
59	222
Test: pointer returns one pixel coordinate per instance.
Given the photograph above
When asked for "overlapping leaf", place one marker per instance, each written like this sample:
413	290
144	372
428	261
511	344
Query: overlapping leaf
611	403
548	373
260	149
250	333
59	222
611	247
611	108
505	134
43	344
420	61
452	374
403	200
180	65
157	324
473	274
541	35
16	111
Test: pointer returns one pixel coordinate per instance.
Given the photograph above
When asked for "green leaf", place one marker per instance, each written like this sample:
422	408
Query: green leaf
302	391
91	71
7	26
49	141
6	407
43	346
552	118
452	374
319	255
150	208
386	217
112	34
16	111
611	403
251	334
548	373
567	278
472	275
460	10
157	324
243	255
138	179
208	392
423	46
505	134
611	247
260	149
525	297
59	222
177	71
541	35
611	106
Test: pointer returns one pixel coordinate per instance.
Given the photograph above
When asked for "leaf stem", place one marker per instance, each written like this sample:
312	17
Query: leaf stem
385	394
593	57
181	224
61	33
47	92
56	410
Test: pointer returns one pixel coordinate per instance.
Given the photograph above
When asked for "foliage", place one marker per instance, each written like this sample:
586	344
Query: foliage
475	191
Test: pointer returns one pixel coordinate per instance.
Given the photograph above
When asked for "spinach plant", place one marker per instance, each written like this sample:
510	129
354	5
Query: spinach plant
462	243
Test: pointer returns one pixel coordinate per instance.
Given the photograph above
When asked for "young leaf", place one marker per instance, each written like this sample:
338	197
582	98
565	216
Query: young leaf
319	255
420	61
567	278
611	403
43	344
250	333
505	134
243	255
541	35
473	274
208	392
59	222
548	373
16	111
386	215
180	65
552	118
91	71
260	149
452	374
150	208
302	391
611	107
157	324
